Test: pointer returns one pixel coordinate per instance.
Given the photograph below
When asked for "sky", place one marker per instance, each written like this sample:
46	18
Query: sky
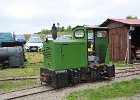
31	16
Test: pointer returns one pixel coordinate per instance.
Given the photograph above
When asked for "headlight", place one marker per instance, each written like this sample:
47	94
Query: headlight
40	47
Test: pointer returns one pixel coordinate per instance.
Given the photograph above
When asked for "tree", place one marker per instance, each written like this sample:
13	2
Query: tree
48	31
131	17
69	29
62	29
43	31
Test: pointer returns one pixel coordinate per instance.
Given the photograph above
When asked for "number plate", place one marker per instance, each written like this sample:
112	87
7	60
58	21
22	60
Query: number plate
34	48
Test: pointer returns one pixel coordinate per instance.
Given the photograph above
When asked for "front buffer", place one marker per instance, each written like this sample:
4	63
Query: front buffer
63	78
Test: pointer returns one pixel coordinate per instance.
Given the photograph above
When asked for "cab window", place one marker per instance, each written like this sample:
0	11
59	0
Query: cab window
79	33
101	34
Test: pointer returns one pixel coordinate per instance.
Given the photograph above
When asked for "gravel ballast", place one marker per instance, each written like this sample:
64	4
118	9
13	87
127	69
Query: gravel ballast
61	94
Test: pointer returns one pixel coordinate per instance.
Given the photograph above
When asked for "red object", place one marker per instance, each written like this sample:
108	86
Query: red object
45	78
128	21
134	22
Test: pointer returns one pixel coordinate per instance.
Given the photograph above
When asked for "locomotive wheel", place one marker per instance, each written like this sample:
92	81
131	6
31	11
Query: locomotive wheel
93	76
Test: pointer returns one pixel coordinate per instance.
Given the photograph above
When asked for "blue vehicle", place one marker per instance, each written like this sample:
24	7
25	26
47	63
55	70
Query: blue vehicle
6	37
20	38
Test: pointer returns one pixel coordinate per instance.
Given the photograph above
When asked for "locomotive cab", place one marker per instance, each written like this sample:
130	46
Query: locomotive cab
84	58
97	41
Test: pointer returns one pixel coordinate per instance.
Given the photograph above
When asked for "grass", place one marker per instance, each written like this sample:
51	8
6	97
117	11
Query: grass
15	72
31	66
120	64
15	85
33	58
115	90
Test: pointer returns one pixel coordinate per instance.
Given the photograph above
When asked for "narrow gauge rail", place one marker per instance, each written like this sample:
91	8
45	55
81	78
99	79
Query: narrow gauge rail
126	71
25	92
118	70
132	74
42	89
19	78
20	90
127	68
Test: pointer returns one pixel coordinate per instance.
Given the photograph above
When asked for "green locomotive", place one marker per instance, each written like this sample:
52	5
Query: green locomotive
69	62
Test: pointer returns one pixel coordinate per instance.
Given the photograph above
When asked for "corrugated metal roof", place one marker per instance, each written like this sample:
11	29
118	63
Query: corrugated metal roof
92	27
128	21
124	21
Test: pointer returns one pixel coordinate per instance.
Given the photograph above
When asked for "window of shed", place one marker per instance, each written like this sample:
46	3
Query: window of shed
79	33
101	34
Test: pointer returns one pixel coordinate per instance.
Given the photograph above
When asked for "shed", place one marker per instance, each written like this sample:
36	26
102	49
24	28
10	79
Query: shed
124	39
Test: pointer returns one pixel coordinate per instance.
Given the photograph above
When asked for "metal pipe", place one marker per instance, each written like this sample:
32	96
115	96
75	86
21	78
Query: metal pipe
4	53
13	54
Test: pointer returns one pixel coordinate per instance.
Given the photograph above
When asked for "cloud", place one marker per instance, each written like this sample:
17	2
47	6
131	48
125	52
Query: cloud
19	11
29	16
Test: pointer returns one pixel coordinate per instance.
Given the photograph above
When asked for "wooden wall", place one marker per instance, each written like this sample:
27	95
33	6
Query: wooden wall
117	40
